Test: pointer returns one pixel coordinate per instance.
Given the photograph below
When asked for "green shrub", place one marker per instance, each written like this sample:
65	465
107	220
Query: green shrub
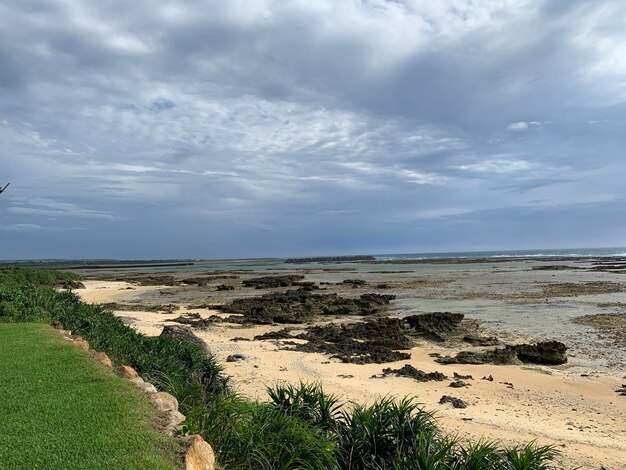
258	436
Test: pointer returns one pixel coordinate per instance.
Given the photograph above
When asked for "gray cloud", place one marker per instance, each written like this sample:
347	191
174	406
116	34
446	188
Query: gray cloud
242	128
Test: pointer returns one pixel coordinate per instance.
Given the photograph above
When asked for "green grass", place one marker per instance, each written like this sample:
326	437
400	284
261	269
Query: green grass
59	409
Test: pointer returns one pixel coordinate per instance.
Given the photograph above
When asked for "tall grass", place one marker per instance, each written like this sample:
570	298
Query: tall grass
301	427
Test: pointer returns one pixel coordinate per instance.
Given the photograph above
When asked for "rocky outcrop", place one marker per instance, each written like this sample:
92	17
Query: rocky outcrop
270	282
302	306
455	402
184	333
547	353
416	374
436	325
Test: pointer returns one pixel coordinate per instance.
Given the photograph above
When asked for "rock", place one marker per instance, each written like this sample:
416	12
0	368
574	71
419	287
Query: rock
164	401
462	377
223	287
435	325
235	358
358	343
301	307
481	340
174	423
183	333
198	455
489	379
57	325
145	386
72	285
456	402
127	372
103	359
409	371
280	334
547	352
83	344
458	384
269	282
496	356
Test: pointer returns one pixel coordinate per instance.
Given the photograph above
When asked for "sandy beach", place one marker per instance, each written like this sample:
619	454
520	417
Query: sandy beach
574	406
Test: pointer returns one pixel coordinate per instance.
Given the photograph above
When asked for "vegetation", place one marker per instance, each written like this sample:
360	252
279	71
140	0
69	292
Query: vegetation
301	427
61	410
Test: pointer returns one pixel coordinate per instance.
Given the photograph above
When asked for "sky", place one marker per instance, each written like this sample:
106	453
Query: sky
252	128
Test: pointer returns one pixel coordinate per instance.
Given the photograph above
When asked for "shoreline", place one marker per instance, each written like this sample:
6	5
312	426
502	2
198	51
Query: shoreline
581	413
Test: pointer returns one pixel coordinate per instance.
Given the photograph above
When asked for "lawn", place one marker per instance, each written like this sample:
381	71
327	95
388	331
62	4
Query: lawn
59	409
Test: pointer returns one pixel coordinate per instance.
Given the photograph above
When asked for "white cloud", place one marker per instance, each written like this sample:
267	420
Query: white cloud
522	126
497	166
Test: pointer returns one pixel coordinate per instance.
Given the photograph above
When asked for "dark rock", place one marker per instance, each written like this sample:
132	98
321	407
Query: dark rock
547	352
72	285
550	352
456	402
280	334
196	281
409	371
458	384
354	282
269	282
183	333
496	356
235	358
489	379
463	377
195	320
356	343
435	325
223	287
300	307
481	340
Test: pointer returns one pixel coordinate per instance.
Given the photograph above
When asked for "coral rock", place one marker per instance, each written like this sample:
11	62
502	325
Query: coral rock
164	401
199	455
103	359
128	372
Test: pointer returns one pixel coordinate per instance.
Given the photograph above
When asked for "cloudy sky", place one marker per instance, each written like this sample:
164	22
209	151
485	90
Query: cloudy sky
249	128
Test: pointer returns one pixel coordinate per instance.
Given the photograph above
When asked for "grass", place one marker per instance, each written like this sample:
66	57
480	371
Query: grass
59	409
301	427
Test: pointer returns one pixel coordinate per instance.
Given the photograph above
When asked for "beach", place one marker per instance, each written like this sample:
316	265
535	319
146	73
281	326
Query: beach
573	405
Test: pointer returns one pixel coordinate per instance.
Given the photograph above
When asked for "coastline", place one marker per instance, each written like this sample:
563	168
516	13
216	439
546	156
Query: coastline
581	415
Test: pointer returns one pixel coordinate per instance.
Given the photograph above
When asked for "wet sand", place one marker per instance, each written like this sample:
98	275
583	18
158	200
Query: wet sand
582	415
